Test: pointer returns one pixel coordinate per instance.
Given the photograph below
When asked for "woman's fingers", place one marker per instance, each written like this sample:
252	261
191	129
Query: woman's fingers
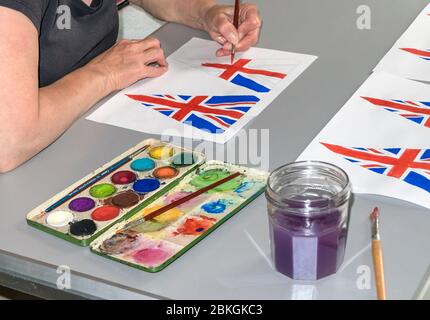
226	29
222	30
248	41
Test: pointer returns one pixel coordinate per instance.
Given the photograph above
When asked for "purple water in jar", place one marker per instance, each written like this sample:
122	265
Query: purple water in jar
308	204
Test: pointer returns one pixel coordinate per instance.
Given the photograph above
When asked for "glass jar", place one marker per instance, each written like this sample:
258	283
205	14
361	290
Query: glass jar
308	206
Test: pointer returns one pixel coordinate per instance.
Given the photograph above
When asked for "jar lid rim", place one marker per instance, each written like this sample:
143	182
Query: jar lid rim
338	198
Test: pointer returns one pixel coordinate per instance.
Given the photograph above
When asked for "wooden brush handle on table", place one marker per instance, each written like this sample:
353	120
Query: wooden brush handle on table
379	269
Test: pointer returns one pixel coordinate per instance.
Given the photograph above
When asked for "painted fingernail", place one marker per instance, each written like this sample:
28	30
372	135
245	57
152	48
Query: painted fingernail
221	40
232	37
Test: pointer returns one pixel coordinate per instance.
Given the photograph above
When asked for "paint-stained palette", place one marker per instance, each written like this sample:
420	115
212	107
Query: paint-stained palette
155	244
135	179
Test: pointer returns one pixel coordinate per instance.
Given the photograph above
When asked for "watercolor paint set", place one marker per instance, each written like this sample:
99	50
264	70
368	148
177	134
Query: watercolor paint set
153	245
86	209
97	211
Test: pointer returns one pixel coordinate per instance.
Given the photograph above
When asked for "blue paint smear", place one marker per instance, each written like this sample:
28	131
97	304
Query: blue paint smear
245	186
418	180
249	83
232	99
203	124
215	207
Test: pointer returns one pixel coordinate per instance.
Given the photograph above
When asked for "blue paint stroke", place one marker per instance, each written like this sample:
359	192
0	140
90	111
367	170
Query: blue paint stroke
245	186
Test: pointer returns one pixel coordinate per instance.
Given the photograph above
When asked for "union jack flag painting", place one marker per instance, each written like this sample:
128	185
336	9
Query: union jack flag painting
418	112
409	165
244	74
214	114
423	54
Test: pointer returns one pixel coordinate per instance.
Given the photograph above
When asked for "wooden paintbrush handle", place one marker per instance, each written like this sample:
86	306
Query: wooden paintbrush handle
378	265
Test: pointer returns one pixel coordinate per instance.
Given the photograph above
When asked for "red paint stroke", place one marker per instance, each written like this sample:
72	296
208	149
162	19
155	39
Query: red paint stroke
399	165
239	66
185	108
417	52
194	226
409	108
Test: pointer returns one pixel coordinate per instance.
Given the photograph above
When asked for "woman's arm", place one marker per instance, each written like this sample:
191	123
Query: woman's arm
32	118
188	12
215	19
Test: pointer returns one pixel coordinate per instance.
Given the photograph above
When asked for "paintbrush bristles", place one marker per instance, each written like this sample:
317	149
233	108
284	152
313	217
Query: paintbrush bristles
374	215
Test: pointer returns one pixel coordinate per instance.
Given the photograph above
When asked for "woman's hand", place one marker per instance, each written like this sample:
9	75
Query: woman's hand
130	61
219	24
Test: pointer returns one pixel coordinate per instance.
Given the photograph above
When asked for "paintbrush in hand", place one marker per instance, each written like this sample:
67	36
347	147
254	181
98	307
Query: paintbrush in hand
236	25
178	202
378	263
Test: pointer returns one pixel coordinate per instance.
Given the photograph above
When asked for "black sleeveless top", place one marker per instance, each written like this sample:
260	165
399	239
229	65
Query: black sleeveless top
70	33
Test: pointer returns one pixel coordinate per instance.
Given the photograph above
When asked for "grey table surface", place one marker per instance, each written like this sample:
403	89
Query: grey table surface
234	262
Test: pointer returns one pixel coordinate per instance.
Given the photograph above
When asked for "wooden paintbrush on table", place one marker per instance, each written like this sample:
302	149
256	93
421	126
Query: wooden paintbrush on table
178	202
378	263
236	25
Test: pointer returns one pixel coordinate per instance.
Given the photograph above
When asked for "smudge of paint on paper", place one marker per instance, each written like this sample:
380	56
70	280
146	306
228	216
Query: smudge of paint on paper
187	205
210	176
153	256
245	186
120	243
195	226
166	217
215	207
150	227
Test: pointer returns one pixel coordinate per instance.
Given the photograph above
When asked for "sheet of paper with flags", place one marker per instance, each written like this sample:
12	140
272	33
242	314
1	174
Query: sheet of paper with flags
410	55
202	96
381	138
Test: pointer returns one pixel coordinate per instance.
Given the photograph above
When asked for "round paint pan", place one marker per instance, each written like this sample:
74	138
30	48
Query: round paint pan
105	213
143	164
161	152
184	159
82	204
165	173
102	190
123	177
83	228
58	219
146	185
125	199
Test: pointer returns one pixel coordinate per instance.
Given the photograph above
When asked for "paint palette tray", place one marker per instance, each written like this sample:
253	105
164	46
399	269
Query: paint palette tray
154	244
136	178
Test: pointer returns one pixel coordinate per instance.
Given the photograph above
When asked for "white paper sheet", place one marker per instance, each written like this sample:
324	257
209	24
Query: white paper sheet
410	55
222	103
384	121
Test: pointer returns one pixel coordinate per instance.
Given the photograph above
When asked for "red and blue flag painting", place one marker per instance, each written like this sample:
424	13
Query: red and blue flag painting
416	111
423	54
409	165
214	114
245	74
